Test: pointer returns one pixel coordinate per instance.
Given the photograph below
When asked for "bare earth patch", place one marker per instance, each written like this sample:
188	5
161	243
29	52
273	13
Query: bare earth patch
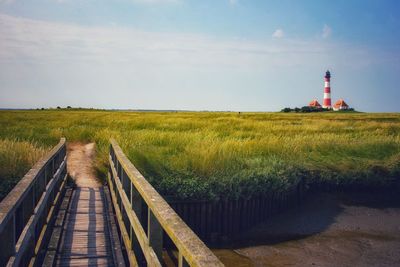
327	230
80	164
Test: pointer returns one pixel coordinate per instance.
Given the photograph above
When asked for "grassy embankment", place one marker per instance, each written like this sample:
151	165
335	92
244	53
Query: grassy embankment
212	155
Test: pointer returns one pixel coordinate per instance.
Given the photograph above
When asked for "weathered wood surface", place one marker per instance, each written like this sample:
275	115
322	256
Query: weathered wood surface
85	232
219	222
28	210
58	226
86	239
142	236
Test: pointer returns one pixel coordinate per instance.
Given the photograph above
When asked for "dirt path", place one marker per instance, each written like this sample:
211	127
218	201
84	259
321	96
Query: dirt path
80	164
327	230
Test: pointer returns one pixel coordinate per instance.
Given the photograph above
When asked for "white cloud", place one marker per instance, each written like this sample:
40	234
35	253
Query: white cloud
144	2
6	1
326	31
278	33
28	40
154	1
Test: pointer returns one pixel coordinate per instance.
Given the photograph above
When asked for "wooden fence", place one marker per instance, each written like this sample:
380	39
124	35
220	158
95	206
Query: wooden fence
217	222
28	210
144	216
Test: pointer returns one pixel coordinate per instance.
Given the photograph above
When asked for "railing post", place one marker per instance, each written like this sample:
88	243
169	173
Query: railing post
155	235
8	240
181	261
53	170
136	204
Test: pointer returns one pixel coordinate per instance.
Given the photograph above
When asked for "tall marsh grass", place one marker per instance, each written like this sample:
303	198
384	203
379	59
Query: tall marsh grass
208	155
16	158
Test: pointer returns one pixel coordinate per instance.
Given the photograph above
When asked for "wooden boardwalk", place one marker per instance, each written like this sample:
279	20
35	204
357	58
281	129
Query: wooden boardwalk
86	239
49	221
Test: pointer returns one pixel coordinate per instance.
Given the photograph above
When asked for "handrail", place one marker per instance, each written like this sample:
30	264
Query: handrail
130	191
28	209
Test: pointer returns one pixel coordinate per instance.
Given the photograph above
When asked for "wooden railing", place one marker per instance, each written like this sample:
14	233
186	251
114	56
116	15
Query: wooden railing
144	216
28	210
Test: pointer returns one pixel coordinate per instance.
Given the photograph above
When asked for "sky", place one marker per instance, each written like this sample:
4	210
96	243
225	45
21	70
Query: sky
238	55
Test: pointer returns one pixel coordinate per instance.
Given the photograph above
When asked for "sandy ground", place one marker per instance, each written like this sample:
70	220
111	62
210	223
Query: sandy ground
327	230
80	164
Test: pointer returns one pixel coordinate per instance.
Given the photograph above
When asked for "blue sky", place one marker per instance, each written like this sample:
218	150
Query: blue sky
198	55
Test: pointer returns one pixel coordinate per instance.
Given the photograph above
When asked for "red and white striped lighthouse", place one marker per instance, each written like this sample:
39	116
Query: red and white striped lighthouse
327	91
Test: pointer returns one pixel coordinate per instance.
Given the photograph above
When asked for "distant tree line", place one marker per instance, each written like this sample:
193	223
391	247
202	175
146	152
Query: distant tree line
58	107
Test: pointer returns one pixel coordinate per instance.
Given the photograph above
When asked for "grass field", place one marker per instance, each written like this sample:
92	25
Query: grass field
209	155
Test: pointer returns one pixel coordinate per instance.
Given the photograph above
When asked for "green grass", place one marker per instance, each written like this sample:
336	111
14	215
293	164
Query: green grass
16	157
204	155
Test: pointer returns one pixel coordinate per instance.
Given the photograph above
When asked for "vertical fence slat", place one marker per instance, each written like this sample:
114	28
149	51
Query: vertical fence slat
8	240
181	261
155	235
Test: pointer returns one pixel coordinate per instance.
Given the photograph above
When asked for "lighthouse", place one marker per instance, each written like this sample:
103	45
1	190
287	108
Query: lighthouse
327	91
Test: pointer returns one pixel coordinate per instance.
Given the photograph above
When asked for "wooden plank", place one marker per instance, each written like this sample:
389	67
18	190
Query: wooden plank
86	238
99	261
57	230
